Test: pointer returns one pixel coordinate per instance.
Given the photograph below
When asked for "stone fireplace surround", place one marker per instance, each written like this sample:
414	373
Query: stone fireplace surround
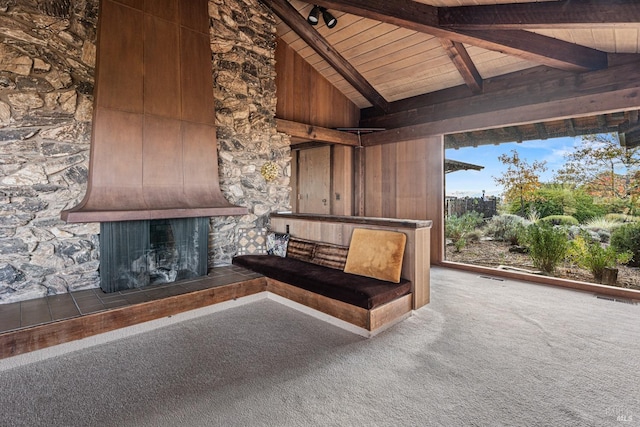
46	87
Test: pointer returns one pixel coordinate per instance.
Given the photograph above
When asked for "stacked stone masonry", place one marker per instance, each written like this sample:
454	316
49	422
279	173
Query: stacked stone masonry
47	58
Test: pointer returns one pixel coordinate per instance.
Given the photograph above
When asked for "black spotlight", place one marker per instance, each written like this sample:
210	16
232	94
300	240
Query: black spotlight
314	15
329	19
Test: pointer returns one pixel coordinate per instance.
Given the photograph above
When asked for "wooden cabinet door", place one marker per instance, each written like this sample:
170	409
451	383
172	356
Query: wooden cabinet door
314	180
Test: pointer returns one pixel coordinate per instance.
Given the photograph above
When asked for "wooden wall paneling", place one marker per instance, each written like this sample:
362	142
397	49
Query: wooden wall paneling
435	195
136	4
373	181
314	180
294	181
116	135
165	9
305	96
162	163
411	181
342	180
308	230
405	180
120	83
359	181
193	15
301	81
162	67
284	81
196	77
388	177
318	99
200	154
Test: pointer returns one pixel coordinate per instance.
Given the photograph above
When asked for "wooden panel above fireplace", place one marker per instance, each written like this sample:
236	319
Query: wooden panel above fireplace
153	148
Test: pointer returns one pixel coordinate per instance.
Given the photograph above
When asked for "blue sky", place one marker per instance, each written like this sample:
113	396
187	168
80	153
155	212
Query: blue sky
471	183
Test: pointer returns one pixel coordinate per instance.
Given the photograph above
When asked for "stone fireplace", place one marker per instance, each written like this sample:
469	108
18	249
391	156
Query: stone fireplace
153	170
47	60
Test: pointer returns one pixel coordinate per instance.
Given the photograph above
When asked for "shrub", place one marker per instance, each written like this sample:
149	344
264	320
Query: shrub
627	239
554	199
586	208
621	218
591	255
457	228
604	236
505	228
602	227
559	220
601	223
547	245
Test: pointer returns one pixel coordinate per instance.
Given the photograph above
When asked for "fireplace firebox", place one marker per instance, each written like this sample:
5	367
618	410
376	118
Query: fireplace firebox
147	252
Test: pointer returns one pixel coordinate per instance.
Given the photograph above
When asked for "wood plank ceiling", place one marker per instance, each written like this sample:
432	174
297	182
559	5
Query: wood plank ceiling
382	52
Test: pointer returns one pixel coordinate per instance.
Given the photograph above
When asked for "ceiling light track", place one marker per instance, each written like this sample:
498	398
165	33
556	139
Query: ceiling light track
314	16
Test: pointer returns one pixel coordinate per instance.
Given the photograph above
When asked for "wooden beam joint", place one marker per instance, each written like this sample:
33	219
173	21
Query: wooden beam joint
309	132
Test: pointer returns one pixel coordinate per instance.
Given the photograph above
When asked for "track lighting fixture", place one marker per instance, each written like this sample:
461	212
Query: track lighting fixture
329	19
314	16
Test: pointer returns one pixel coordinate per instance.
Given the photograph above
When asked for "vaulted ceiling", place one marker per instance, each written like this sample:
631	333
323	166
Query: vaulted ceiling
393	57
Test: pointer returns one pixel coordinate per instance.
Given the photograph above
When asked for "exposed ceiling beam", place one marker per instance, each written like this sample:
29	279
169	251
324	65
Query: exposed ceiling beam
520	16
515	102
571	130
515	133
461	59
533	85
542	130
305	132
297	23
553	129
523	44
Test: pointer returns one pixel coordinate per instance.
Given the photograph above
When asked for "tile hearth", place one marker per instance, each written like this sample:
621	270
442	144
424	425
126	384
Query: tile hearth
40	311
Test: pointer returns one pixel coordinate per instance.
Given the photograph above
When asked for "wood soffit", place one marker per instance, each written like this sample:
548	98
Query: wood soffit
393	59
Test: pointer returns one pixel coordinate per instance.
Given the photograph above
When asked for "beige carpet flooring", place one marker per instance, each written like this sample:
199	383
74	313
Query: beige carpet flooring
483	353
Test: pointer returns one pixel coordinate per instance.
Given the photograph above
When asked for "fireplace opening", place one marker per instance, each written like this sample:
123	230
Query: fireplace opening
135	254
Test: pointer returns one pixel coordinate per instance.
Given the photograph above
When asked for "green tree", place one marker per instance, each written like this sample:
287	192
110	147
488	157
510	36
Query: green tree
604	168
521	179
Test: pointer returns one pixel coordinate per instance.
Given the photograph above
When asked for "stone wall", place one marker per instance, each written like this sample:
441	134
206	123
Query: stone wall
243	45
47	57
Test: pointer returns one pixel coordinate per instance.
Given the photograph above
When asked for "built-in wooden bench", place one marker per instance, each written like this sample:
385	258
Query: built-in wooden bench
367	303
338	230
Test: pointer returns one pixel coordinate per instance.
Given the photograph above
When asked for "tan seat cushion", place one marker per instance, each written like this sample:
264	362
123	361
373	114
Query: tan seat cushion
376	253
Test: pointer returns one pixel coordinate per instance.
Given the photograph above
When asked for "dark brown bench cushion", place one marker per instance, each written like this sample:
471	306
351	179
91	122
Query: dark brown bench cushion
352	289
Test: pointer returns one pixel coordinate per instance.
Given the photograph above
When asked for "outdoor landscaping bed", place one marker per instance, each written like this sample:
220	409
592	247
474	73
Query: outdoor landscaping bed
490	253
